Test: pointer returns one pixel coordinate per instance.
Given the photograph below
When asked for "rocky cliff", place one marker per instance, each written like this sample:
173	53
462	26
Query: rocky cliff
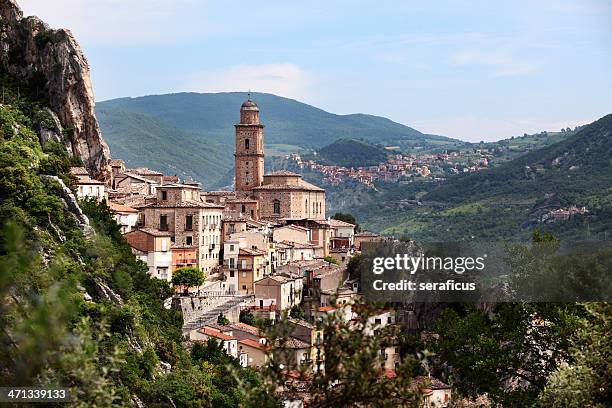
53	65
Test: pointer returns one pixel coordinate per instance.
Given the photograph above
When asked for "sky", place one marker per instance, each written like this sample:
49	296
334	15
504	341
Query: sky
474	70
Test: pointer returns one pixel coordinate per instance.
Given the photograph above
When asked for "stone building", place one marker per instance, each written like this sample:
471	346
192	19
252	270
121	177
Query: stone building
177	208
272	197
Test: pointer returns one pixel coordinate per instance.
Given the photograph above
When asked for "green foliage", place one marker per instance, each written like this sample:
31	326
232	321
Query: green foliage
43	37
346	217
330	259
297	312
187	277
354	374
247	317
222	320
586	380
519	343
351	153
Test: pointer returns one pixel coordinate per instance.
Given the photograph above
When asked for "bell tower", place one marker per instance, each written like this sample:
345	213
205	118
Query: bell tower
249	155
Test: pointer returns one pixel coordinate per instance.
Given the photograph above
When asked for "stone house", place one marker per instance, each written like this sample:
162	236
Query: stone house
286	291
292	233
229	342
177	209
88	187
154	248
126	217
251	268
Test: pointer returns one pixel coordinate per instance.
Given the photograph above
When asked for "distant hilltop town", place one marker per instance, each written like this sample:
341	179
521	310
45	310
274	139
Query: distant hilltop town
400	167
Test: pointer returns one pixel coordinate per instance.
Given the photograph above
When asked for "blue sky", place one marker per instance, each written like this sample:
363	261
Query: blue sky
475	70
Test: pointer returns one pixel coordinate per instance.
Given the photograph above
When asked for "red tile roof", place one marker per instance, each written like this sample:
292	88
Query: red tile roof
215	333
254	344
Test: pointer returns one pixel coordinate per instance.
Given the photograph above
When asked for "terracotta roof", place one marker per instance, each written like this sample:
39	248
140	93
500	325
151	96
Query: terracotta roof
210	332
254	344
293	343
145	171
84	179
183	204
327	309
245	328
179	185
251	251
217	193
295	227
430	382
150	231
298	244
116	207
79	171
303	185
339	223
116	162
283	173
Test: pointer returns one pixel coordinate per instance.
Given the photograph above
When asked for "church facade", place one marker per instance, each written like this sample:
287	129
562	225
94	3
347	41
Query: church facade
278	196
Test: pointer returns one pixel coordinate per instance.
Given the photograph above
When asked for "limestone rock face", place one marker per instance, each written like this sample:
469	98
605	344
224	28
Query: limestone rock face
52	63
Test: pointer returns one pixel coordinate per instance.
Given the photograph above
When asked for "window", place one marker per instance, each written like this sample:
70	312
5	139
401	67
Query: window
162	273
232	229
243	287
246	144
231	274
244	265
377	321
164	245
163	223
189	240
232	248
276	206
244	206
188	222
306	206
164	195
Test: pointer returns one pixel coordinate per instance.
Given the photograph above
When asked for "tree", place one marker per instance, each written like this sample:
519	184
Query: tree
247	317
330	259
354	372
346	217
519	344
187	277
297	312
222	320
587	381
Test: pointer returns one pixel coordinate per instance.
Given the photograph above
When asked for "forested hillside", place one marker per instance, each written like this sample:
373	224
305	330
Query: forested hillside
507	201
351	153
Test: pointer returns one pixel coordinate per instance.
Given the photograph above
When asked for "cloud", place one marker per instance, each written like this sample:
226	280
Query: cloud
501	64
284	79
122	22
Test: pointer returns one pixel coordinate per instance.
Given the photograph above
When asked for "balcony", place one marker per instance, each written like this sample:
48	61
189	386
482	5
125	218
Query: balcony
163	227
186	261
211	247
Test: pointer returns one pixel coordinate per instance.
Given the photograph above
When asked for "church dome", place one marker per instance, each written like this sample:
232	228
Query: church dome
249	105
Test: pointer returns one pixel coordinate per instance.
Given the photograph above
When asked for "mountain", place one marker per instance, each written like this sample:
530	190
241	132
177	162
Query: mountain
507	201
49	63
203	124
351	153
